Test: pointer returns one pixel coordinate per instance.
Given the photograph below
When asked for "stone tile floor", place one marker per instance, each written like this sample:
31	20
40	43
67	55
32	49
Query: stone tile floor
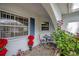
40	51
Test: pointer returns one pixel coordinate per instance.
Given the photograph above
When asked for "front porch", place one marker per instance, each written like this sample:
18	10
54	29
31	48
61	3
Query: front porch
18	21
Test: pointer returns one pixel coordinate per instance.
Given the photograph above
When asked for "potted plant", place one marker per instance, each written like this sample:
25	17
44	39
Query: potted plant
3	50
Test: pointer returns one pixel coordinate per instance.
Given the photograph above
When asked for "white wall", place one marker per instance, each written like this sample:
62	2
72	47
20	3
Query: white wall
17	43
73	17
39	22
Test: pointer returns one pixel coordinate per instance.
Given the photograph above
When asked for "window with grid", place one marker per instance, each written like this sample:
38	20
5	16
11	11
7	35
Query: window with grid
12	25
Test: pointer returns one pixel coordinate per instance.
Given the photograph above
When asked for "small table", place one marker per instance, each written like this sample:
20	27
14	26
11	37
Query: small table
47	38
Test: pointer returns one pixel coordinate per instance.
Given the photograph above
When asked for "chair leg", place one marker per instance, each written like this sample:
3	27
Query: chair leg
55	51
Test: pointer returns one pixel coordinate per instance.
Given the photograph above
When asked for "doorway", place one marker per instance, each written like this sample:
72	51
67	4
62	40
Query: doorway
32	26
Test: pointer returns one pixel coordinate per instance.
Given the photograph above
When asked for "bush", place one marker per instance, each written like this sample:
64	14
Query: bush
65	42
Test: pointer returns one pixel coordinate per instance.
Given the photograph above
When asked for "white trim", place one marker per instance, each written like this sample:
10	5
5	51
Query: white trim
13	25
28	26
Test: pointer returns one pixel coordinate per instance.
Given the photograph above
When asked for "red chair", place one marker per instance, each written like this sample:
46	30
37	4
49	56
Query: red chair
30	42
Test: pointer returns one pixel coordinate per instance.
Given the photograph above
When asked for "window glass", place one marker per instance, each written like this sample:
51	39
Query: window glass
26	21
45	26
8	16
3	15
17	26
73	27
75	6
12	17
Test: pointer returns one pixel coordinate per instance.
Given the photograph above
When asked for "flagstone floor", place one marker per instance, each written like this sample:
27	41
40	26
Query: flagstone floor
40	51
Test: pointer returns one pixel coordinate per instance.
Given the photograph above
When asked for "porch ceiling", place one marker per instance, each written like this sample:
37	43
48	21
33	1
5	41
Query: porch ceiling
35	8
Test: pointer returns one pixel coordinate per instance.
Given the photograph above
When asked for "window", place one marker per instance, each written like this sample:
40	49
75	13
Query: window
3	15
20	19
26	21
8	16
75	7
16	26
45	26
12	17
73	27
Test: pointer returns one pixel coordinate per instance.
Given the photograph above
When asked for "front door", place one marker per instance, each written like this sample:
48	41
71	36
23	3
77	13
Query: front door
32	26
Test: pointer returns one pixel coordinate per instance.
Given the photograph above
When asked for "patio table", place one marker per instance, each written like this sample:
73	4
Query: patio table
47	38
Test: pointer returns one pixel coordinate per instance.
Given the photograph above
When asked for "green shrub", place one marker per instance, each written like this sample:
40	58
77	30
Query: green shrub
65	42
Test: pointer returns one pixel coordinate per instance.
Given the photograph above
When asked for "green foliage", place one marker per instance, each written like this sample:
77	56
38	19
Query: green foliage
65	42
77	48
1	49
